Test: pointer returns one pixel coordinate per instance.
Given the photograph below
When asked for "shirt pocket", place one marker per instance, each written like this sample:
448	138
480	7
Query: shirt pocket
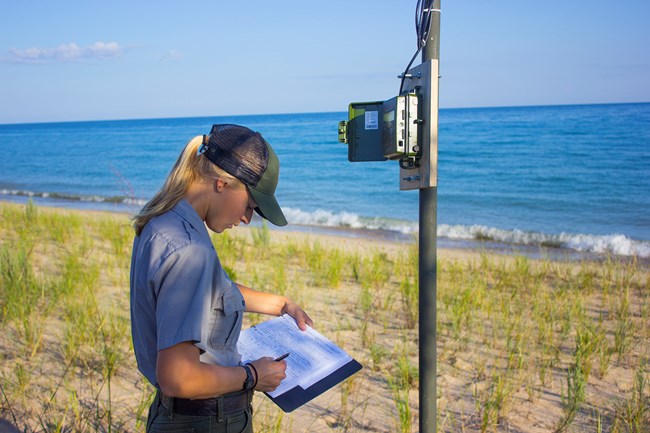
226	319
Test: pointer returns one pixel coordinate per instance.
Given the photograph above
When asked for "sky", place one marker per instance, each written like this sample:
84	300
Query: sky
102	60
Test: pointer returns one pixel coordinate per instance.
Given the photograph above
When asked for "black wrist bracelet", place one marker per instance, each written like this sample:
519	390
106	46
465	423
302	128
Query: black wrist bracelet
257	376
249	383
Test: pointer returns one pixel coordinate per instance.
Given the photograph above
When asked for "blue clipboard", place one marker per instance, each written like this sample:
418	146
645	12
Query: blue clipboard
296	397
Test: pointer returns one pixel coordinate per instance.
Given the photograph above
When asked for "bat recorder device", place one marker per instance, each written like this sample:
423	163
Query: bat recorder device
381	130
400	127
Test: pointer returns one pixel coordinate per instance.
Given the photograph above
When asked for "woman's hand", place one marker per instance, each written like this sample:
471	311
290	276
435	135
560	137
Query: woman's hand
274	305
269	373
292	309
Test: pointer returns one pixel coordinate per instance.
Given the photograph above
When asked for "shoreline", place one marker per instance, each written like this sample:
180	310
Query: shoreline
477	246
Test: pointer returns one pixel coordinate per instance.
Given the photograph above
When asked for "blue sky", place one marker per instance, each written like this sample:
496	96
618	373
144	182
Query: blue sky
93	60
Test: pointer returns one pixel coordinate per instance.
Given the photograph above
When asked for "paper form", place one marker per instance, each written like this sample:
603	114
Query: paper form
312	356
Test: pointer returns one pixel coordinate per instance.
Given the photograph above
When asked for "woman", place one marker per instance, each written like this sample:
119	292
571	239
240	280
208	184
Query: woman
186	313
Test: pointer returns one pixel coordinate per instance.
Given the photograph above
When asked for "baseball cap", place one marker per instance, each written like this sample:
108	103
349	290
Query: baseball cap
247	156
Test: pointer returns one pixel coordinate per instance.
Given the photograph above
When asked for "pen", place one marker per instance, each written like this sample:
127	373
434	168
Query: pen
280	358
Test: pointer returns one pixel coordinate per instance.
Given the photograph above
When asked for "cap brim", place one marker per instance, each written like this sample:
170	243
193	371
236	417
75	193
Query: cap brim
268	207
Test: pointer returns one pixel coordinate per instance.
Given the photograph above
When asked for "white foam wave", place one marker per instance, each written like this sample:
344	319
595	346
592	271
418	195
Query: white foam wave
328	218
74	197
616	244
322	218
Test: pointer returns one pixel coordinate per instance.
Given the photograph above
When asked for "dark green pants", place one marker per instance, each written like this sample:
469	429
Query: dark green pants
162	420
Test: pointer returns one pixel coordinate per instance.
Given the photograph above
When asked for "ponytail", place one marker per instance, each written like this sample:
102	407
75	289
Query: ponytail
189	168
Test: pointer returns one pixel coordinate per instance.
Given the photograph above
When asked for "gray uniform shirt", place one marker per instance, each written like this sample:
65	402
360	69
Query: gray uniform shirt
180	292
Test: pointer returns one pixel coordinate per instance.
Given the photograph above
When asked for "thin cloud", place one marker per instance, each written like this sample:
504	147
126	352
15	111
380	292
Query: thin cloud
67	53
172	56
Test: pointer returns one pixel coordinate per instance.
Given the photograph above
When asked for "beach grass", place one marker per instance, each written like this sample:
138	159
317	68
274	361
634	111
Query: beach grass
527	345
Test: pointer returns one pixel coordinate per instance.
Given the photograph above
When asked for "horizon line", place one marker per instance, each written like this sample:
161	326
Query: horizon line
310	112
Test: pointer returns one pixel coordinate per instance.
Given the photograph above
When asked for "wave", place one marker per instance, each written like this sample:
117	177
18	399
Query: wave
327	218
616	244
74	197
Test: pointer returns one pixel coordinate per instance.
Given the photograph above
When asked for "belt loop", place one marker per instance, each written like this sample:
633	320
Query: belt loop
220	409
171	408
153	409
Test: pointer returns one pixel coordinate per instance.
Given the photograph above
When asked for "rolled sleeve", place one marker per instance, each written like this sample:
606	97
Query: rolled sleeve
182	307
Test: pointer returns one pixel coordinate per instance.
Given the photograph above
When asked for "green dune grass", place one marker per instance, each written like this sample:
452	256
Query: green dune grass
523	345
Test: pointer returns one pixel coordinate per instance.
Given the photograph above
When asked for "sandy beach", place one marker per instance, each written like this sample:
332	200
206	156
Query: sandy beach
524	344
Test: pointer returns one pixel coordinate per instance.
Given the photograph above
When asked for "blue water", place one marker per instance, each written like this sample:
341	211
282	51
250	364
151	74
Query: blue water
574	177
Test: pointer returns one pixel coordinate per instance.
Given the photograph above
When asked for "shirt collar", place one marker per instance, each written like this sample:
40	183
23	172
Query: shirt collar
185	210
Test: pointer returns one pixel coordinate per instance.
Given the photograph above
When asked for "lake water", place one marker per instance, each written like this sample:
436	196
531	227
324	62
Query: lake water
575	178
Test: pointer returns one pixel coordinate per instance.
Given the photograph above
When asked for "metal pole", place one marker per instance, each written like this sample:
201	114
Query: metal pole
427	252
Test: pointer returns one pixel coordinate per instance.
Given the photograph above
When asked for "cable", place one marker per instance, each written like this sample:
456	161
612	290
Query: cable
423	12
423	21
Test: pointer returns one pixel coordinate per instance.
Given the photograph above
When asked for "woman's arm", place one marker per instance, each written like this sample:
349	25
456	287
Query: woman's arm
274	305
180	373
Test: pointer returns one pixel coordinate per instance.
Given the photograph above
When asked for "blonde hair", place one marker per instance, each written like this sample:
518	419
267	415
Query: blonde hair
189	168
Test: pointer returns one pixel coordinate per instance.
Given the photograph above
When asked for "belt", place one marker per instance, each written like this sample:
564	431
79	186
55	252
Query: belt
225	404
